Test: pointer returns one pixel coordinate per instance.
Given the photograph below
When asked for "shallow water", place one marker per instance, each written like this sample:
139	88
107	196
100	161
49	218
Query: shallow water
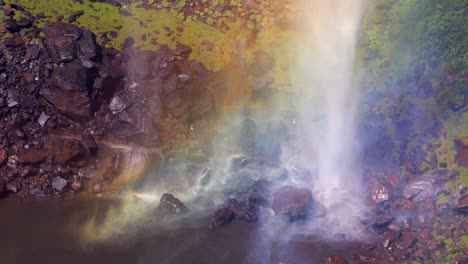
47	232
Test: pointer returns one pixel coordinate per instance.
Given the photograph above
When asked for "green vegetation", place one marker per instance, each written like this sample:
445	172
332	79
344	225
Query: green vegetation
403	36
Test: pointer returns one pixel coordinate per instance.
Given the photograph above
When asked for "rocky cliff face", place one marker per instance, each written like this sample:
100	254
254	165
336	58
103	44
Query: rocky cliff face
66	102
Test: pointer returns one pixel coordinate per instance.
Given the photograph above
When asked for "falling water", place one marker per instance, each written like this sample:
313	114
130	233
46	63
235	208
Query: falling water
324	145
328	95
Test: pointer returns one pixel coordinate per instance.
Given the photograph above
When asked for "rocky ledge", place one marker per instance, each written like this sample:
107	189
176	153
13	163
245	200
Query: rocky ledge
71	108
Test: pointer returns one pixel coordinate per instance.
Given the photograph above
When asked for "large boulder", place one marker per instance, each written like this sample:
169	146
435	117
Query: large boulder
171	204
73	104
292	202
66	42
71	76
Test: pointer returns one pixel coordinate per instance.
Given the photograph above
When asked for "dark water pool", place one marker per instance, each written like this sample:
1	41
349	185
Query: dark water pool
46	232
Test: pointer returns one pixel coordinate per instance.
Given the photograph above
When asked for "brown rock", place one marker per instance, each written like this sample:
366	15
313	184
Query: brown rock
31	156
336	260
292	201
382	221
419	189
133	125
73	104
182	50
61	39
424	236
380	193
407	240
76	184
461	157
3	156
65	48
405	207
11	26
462	205
67	150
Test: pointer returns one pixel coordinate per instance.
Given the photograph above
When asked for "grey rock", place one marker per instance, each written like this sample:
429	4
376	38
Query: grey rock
59	183
42	120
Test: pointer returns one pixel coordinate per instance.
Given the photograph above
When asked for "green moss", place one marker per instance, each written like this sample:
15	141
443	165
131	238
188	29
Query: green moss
448	243
463	242
443	198
101	17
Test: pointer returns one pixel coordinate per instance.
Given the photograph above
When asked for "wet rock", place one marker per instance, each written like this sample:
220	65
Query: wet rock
31	156
336	260
462	205
382	221
247	212
58	183
380	193
258	200
243	210
258	170
221	217
135	126
171	204
292	201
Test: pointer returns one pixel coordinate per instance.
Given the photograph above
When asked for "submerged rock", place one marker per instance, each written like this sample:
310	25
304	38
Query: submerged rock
292	201
336	260
171	204
221	217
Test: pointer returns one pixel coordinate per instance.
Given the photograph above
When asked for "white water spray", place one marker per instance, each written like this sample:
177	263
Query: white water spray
328	95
